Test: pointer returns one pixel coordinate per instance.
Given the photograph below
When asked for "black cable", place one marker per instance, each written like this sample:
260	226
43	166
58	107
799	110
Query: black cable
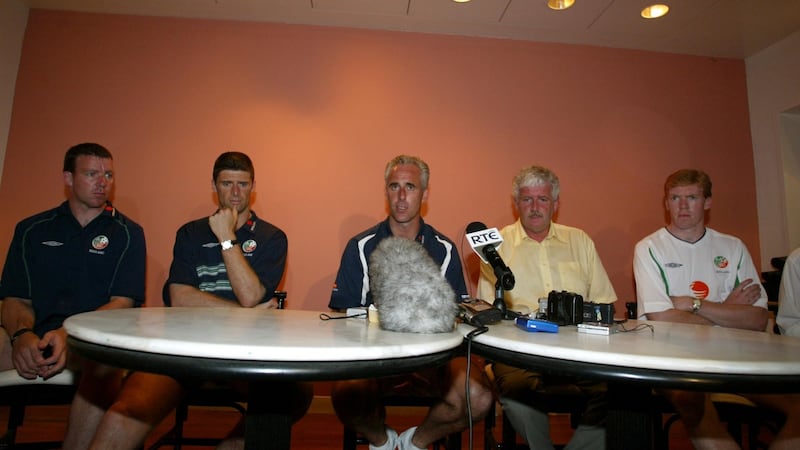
469	337
325	316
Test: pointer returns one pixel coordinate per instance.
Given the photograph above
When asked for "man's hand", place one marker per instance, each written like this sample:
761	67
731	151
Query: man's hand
223	223
26	356
682	303
746	293
55	343
272	304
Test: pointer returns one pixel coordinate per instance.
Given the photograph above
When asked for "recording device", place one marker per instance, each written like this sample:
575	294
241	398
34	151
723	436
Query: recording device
477	312
568	308
598	312
536	325
564	308
598	328
485	241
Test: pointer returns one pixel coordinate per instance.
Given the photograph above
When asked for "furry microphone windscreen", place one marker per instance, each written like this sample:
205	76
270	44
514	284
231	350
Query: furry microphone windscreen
409	290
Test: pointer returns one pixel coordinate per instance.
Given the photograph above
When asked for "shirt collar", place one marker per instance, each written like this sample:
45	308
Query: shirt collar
554	232
108	210
387	230
250	225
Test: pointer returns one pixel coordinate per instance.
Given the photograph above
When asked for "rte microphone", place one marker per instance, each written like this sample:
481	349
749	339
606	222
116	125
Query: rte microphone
484	241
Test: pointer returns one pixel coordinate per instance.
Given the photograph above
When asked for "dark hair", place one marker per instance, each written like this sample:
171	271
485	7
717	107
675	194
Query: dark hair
688	177
233	161
85	149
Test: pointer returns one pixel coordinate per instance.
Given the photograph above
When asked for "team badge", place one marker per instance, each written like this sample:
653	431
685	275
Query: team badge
699	289
249	246
99	242
721	262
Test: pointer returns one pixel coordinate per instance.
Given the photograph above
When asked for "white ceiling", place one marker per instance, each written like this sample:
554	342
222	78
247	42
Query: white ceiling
717	28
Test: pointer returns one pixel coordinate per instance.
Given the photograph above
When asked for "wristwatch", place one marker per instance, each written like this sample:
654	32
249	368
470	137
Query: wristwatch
227	245
696	304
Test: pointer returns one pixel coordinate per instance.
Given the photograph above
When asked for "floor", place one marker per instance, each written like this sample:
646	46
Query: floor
318	430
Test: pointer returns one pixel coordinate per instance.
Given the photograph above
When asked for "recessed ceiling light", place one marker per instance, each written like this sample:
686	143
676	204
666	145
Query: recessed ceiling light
461	1
655	11
560	5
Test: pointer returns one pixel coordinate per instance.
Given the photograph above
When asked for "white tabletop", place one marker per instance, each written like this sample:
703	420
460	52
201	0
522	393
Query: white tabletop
251	334
672	347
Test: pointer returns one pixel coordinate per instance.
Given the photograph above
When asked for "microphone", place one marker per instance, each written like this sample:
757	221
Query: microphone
485	241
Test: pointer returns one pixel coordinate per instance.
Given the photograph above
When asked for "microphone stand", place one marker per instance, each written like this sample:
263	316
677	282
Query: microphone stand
500	302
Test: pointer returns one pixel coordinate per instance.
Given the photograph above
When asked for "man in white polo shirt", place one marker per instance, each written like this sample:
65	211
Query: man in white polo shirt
689	273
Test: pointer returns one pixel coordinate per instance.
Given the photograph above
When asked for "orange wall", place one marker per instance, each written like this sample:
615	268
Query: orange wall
321	110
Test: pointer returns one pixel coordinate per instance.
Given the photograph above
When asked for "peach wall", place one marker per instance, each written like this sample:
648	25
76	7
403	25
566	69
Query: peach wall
321	110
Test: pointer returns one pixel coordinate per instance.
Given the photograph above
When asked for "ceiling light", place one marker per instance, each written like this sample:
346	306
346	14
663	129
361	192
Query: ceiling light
655	11
559	5
461	1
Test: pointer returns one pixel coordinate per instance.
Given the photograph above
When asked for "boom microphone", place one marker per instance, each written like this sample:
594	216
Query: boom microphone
484	241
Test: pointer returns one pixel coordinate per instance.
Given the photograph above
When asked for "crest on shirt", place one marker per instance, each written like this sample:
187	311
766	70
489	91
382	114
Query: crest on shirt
249	246
699	289
721	262
99	242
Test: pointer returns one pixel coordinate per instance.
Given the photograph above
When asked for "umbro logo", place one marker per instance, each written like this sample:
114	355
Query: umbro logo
673	265
52	243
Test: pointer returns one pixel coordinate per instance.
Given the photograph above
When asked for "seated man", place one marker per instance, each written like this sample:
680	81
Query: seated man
689	273
358	402
546	256
788	319
81	256
230	259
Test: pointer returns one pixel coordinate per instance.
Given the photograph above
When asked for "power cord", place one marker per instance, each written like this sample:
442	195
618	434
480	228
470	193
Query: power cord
476	332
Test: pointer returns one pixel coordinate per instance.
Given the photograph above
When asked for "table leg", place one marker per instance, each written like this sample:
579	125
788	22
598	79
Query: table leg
629	423
264	429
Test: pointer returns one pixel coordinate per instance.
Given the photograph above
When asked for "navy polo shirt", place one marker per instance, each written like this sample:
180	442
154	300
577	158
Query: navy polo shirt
66	269
351	289
197	257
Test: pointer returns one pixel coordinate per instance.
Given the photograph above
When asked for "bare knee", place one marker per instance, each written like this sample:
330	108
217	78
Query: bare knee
148	397
691	406
355	399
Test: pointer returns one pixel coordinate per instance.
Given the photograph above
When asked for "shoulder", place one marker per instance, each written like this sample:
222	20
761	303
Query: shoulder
716	236
794	257
195	226
653	238
266	229
126	221
41	216
571	234
428	230
571	231
377	231
33	222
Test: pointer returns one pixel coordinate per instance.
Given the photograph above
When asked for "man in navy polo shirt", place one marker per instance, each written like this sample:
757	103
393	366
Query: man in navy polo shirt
357	402
83	255
231	258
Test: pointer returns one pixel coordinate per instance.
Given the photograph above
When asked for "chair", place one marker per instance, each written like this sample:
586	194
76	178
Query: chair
17	393
205	394
351	439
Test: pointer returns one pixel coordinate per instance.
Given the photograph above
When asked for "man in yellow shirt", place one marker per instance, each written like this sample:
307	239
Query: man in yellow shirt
545	256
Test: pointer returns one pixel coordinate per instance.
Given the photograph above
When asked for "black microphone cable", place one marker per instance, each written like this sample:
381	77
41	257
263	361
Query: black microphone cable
476	332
